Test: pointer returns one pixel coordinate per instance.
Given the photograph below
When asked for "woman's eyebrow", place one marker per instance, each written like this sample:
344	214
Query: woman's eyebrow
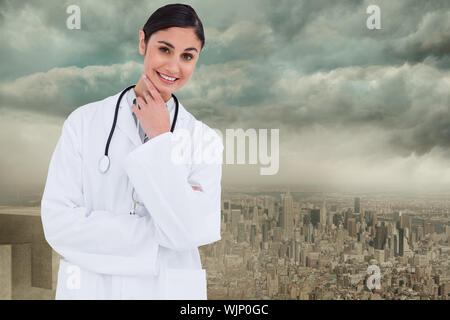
170	45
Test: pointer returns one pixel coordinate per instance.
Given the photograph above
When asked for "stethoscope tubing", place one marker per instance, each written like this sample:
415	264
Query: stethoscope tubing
104	162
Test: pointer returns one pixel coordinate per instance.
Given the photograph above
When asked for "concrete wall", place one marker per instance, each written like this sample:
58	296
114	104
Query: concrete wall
28	265
5	272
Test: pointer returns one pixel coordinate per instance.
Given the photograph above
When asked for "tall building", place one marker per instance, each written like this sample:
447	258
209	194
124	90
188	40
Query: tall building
340	239
374	219
337	219
315	217
380	236
270	205
309	233
267	201
252	234
323	213
330	218
401	241
357	205
351	223
307	219
241	232
395	245
287	215
235	218
265	231
428	227
277	234
226	205
396	216
405	221
348	214
395	242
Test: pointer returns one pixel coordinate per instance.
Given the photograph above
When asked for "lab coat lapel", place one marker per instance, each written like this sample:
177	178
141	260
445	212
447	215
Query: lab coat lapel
125	122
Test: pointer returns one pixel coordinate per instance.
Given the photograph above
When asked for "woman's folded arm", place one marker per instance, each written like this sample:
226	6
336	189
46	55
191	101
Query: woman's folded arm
184	203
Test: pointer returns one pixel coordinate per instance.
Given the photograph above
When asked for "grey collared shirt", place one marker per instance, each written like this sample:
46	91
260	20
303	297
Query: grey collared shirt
131	95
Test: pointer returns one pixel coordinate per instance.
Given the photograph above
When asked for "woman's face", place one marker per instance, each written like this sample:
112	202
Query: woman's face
171	52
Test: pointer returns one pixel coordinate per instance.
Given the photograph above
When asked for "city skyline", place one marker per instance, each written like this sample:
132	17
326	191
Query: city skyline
288	246
405	243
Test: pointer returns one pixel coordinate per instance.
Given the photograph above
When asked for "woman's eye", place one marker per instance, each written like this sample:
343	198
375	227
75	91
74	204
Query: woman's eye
186	56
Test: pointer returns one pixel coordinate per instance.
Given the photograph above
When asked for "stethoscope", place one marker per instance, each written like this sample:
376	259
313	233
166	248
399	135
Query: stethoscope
104	163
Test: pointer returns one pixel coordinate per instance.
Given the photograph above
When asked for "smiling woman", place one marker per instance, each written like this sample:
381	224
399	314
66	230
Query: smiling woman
174	49
150	252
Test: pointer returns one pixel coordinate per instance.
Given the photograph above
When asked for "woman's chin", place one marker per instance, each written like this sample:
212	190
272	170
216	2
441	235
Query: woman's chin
161	87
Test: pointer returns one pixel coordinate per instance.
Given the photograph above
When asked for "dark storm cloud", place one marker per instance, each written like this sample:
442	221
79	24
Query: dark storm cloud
288	18
58	91
430	38
407	105
337	91
431	131
324	35
36	39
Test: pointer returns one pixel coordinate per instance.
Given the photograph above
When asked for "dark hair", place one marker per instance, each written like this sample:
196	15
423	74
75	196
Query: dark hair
174	15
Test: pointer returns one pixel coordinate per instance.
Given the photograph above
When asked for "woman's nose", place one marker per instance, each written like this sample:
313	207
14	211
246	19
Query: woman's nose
172	68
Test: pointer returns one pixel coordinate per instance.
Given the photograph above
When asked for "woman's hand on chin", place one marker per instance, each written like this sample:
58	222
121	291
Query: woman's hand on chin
153	114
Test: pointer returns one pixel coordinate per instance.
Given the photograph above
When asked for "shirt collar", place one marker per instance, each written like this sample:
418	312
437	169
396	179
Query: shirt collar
131	95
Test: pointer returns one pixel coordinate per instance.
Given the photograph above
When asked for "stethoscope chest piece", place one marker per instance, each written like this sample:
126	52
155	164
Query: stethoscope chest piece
103	164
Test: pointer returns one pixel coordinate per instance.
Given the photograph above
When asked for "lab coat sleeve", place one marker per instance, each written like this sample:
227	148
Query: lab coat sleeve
185	218
98	240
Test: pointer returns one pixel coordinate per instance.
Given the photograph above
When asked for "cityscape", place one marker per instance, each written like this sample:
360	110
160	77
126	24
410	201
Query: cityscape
282	244
319	246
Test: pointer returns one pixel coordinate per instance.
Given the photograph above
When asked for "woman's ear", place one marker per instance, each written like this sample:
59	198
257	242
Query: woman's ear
142	45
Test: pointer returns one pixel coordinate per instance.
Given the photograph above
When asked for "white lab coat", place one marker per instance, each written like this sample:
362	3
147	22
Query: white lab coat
108	253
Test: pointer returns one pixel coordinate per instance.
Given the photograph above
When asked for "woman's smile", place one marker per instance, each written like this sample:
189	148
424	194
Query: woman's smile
166	79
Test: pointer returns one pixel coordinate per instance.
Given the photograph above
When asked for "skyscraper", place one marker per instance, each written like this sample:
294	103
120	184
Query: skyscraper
428	227
241	232
357	205
315	217
265	230
235	218
380	237
323	213
287	215
252	234
374	219
401	239
351	223
309	233
405	221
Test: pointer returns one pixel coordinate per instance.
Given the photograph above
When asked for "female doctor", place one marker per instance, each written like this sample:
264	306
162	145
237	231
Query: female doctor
127	218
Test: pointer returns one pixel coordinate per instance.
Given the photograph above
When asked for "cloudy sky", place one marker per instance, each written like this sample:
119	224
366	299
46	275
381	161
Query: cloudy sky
355	108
